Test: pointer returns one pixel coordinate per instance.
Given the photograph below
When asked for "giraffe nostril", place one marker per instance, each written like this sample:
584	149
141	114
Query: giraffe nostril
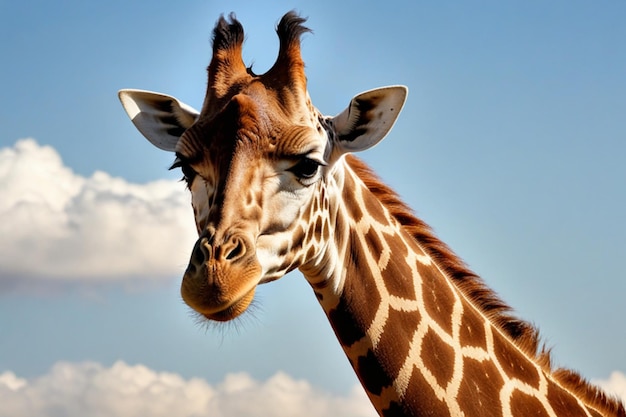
234	250
201	253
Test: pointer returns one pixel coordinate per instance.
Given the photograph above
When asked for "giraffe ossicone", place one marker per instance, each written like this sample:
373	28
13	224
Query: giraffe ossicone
274	187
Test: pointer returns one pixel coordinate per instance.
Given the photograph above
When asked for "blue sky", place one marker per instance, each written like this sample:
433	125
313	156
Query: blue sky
511	145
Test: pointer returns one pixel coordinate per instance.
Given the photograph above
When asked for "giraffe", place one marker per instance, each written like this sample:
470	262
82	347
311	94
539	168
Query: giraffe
274	187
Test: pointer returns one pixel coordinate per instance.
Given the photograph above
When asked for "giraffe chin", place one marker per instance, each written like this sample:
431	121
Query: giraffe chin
234	310
224	312
223	295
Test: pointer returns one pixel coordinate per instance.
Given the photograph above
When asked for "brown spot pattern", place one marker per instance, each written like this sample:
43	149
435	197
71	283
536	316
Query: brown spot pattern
514	364
438	358
438	297
524	405
378	310
479	393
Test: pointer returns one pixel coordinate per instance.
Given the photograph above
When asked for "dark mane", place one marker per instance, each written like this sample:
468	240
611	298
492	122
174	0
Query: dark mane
522	333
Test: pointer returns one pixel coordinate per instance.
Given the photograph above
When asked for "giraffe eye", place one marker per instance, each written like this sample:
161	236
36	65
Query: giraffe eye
188	172
305	169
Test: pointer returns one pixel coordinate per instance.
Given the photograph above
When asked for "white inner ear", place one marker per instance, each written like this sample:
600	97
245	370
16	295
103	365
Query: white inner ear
368	118
162	119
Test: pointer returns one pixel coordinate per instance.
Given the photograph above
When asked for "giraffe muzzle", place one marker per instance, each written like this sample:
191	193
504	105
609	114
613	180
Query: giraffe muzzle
221	279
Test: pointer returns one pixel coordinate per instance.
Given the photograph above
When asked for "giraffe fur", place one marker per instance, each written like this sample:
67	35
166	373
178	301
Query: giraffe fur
275	187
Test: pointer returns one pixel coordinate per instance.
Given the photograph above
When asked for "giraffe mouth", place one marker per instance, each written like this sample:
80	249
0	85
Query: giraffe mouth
233	310
219	311
218	291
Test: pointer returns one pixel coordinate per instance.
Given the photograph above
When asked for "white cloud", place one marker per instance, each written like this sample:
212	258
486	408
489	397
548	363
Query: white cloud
616	385
57	226
89	389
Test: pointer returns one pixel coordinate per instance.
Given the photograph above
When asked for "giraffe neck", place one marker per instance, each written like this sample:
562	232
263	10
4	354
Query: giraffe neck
417	341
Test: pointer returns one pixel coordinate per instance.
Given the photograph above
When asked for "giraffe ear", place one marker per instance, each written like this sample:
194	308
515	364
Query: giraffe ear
369	117
162	119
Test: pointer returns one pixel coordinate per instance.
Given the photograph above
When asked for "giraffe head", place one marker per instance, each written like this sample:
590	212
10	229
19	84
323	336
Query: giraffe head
257	160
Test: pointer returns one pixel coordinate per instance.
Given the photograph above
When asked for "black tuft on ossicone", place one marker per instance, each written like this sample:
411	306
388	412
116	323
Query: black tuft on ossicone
290	28
227	33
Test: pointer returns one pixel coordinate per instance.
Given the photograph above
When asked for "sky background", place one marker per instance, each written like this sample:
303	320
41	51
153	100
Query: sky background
512	145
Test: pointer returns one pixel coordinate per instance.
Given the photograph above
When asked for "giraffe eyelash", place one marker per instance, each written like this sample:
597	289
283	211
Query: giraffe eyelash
188	173
306	170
